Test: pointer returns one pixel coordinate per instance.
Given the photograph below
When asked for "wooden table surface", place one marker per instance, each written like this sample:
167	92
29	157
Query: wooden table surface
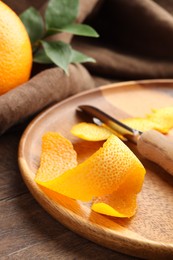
26	230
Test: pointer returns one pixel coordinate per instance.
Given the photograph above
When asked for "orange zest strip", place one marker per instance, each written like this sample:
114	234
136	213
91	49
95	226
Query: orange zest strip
162	117
92	132
142	124
159	119
101	174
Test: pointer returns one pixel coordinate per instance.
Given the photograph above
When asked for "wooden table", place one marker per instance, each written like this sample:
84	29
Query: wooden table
26	230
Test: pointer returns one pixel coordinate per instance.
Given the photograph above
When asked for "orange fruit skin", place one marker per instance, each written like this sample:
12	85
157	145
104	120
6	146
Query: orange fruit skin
112	176
101	174
90	132
15	50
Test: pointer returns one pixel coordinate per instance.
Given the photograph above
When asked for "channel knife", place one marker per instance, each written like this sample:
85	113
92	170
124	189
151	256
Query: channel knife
151	144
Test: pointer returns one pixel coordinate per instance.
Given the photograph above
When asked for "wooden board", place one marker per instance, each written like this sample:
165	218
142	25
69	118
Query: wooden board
149	234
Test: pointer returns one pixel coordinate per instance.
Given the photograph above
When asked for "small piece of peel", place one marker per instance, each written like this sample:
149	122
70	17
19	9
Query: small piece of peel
90	132
93	132
163	117
141	124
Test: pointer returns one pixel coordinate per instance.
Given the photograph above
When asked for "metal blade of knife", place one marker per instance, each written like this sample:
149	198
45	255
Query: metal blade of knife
151	144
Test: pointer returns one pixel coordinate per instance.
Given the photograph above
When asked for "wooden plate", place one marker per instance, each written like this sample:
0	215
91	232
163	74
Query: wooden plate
149	234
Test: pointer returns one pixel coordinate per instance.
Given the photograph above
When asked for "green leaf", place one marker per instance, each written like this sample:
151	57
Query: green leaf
78	57
59	13
41	57
34	24
76	29
59	53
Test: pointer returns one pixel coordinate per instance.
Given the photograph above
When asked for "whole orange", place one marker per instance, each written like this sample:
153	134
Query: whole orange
15	50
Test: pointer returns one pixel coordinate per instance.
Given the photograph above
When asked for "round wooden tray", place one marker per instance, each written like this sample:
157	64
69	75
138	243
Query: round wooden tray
149	234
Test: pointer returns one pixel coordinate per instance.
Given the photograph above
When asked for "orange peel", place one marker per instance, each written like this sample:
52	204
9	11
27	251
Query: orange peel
159	119
90	132
93	132
142	124
101	174
163	117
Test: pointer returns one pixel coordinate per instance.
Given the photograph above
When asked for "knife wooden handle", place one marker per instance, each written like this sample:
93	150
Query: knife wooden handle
157	148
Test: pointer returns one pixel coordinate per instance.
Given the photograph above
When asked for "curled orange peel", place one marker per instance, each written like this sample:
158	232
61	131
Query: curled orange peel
110	170
159	119
142	124
163	117
90	132
93	132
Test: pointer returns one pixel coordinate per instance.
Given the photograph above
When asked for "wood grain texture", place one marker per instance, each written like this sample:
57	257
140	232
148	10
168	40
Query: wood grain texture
149	233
